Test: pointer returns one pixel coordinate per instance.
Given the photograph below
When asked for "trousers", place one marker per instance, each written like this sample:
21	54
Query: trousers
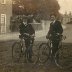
28	51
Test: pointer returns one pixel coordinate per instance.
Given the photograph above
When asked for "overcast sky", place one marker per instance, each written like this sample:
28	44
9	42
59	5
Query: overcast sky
66	5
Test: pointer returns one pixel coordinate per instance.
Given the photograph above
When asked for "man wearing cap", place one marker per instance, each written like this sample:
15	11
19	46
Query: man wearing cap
28	32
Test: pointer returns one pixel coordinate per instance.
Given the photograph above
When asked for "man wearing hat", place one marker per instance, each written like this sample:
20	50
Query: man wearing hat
28	32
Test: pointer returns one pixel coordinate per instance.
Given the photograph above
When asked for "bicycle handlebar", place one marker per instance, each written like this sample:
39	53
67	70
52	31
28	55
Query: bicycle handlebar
62	37
26	34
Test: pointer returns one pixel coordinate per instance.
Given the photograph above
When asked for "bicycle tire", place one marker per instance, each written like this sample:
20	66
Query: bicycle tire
16	51
34	54
43	53
34	58
62	62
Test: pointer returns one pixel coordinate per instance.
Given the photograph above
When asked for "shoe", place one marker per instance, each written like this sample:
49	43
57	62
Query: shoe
25	61
30	60
52	60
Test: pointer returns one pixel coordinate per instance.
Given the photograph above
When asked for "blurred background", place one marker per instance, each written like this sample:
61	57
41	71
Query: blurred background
38	12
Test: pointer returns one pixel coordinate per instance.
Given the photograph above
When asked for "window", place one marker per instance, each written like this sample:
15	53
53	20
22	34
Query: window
3	1
3	23
3	18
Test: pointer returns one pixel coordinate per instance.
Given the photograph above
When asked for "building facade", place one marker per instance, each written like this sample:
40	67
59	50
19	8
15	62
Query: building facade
67	18
5	15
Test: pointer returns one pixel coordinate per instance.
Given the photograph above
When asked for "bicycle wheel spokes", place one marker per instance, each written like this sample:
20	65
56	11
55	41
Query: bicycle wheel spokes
16	51
43	53
62	58
34	58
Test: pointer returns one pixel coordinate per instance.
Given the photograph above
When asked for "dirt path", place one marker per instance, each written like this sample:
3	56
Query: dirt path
7	66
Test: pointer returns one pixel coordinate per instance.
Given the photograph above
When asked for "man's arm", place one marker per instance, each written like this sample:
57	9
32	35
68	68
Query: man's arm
32	29
21	29
60	27
48	34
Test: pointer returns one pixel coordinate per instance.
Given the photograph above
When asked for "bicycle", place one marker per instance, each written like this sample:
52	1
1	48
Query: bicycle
45	53
18	50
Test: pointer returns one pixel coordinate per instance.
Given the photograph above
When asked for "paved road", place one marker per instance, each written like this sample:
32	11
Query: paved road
6	56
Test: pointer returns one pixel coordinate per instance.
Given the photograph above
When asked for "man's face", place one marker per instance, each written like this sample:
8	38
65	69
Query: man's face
52	18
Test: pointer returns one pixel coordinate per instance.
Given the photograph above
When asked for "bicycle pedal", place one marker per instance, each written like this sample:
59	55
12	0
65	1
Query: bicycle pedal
44	53
59	66
40	64
31	61
25	61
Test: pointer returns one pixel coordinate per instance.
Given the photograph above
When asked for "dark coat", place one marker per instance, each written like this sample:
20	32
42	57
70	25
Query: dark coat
26	29
55	28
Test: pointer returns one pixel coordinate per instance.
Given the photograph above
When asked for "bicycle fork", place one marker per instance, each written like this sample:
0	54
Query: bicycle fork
28	52
22	45
51	53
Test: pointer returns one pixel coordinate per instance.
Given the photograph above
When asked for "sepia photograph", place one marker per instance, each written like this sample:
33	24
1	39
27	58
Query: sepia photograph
35	35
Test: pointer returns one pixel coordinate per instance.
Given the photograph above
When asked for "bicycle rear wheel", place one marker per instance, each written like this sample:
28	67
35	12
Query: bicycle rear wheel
34	58
43	53
63	60
35	54
16	51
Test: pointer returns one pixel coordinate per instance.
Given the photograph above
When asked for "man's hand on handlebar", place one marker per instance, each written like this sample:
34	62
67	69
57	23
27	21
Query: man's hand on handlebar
26	34
48	36
32	36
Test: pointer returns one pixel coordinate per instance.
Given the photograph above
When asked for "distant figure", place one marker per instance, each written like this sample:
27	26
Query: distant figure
28	32
54	33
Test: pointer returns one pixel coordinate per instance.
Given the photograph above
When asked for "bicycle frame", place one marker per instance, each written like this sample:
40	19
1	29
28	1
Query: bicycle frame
22	43
46	51
49	43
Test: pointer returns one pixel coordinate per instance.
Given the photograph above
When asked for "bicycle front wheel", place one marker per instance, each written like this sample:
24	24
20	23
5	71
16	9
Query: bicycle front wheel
43	53
16	51
62	58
